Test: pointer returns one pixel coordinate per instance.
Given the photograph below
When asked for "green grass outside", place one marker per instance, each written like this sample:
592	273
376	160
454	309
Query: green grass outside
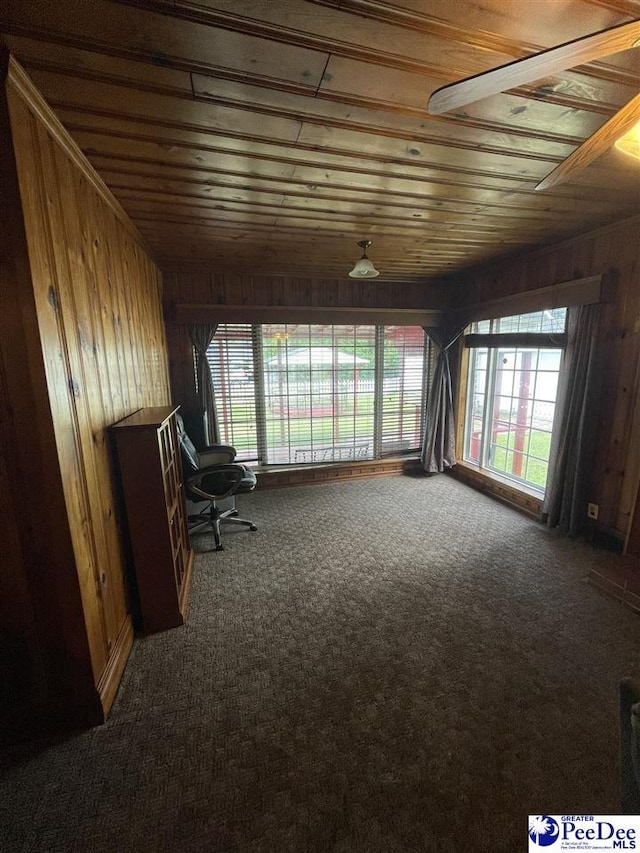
302	430
536	443
323	430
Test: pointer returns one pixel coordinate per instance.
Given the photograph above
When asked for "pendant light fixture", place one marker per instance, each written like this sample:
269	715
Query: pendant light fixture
364	268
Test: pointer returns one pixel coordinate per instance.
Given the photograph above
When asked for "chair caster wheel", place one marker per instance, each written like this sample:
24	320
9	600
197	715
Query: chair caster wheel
219	547
253	528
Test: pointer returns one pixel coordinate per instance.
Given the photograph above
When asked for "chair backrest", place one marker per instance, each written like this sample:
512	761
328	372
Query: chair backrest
187	448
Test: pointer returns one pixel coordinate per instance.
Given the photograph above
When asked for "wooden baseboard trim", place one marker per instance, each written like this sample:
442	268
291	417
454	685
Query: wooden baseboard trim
309	474
619	578
504	492
110	681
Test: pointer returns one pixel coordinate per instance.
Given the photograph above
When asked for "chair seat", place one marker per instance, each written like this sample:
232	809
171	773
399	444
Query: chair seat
212	480
248	482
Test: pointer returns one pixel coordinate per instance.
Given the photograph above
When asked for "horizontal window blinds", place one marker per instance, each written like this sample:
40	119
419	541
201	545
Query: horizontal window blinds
319	389
403	389
298	394
232	369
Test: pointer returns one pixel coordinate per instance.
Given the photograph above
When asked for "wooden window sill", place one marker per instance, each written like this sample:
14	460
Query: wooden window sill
519	496
293	475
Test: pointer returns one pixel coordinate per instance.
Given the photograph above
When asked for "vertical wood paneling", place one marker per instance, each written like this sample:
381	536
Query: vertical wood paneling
93	298
42	625
75	309
614	253
54	227
201	286
63	381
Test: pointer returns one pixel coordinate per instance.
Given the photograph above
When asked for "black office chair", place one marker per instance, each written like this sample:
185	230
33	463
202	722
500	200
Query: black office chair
211	478
630	746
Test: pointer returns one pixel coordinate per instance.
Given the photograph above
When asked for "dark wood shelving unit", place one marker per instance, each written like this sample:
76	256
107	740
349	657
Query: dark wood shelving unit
151	472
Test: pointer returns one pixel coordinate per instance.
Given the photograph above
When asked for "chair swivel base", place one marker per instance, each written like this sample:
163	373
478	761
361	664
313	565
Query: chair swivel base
212	520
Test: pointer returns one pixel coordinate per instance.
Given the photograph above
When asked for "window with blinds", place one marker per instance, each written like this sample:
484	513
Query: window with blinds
319	392
405	367
232	363
297	394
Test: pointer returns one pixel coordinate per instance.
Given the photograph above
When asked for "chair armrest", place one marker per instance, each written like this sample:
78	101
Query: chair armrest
216	454
216	482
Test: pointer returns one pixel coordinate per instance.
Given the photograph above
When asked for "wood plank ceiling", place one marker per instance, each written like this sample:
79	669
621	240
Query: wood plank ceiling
270	135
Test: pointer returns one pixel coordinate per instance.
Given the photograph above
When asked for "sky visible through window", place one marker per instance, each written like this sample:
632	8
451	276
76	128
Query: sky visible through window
511	397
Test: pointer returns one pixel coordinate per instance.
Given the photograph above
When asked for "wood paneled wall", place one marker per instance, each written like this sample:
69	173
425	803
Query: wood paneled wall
614	253
206	286
82	346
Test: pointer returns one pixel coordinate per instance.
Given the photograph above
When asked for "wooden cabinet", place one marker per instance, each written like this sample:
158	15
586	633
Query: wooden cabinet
151	473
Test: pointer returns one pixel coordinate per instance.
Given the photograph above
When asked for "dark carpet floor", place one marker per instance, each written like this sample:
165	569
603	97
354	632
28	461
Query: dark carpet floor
386	666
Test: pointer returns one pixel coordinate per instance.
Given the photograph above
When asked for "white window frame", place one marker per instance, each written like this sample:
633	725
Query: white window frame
493	341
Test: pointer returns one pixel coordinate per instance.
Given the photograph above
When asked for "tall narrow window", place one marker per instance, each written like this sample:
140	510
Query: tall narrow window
511	394
404	368
230	358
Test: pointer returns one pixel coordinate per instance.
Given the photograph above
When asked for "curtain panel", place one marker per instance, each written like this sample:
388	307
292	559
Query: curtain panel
201	337
574	432
439	445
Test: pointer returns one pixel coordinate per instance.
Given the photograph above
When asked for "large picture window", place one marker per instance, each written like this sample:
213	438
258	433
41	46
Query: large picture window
296	394
514	365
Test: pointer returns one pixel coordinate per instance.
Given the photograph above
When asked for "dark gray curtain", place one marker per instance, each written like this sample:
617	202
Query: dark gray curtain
201	337
439	445
574	433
